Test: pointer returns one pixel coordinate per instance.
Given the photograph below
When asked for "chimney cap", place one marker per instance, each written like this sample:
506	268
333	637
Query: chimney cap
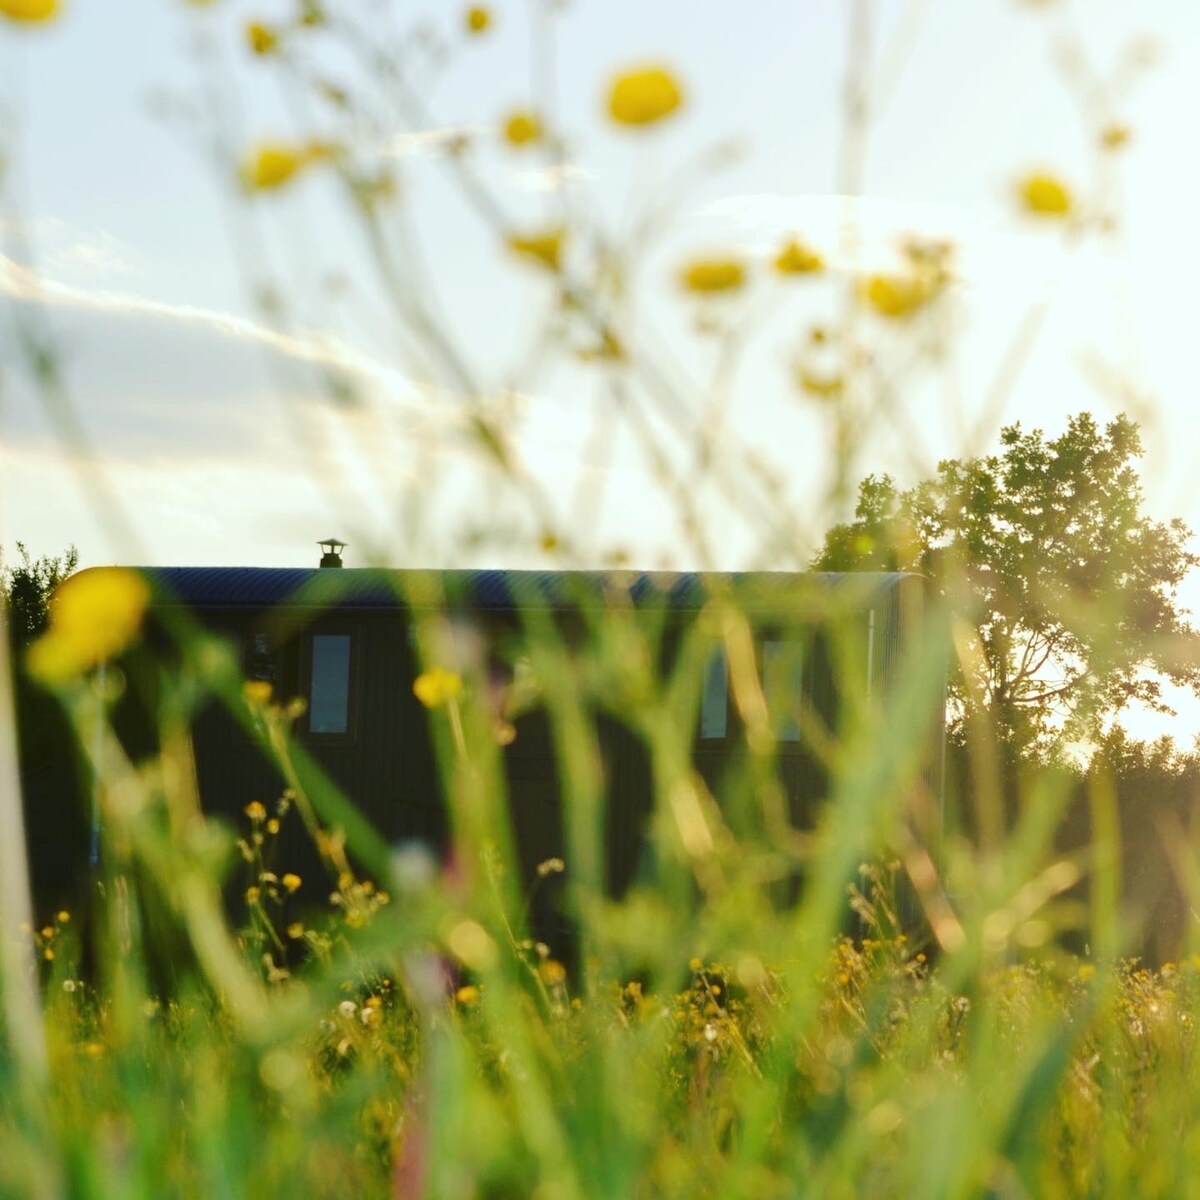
332	547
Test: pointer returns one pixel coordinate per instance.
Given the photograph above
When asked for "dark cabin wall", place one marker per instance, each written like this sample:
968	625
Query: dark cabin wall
384	763
386	767
57	793
803	777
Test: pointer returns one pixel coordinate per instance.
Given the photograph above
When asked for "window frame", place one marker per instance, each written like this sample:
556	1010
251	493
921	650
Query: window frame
284	652
275	649
732	725
806	633
350	736
804	637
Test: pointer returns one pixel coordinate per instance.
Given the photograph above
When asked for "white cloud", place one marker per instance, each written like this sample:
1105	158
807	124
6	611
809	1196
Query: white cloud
214	431
83	254
92	254
25	284
177	381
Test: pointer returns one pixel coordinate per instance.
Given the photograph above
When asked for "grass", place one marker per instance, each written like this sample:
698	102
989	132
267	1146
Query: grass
408	1037
375	1068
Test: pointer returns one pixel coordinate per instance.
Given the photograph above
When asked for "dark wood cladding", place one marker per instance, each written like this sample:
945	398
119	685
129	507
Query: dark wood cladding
385	761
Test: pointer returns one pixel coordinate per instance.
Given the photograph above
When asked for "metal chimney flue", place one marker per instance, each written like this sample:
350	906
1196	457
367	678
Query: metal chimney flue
332	552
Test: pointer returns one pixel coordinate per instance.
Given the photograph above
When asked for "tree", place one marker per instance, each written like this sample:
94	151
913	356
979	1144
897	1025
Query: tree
1071	592
26	590
57	828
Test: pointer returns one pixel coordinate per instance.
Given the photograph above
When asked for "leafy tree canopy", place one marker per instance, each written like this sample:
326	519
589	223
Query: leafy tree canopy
26	586
1068	590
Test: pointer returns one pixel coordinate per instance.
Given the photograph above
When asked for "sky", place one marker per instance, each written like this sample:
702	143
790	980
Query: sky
196	329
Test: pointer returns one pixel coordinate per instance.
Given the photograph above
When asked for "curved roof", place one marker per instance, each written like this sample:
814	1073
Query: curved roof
366	589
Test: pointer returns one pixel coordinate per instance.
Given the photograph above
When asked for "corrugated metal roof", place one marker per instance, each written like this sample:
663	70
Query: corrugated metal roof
362	589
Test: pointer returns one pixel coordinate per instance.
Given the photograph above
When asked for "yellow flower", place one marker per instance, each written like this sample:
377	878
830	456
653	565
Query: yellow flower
477	19
51	660
1086	971
544	247
713	275
272	826
262	38
522	128
256	811
295	930
897	297
252	895
100	610
824	387
437	687
29	10
291	881
63	917
274	164
1115	136
643	96
467	995
1045	195
552	972
798	259
257	692
93	616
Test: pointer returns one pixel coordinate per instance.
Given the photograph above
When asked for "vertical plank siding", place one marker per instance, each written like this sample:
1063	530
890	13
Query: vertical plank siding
385	761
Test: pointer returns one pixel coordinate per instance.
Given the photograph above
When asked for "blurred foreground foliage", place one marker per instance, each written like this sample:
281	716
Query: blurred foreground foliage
760	1015
381	1072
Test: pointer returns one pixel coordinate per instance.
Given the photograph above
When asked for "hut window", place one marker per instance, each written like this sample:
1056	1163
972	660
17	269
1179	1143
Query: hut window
783	683
329	686
262	660
714	701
